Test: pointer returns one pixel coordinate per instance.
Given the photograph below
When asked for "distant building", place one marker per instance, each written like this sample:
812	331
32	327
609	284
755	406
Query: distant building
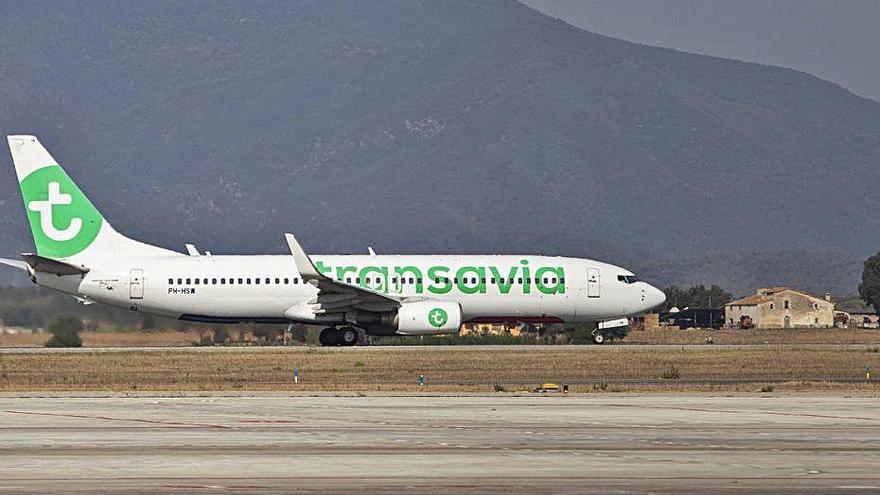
780	307
855	314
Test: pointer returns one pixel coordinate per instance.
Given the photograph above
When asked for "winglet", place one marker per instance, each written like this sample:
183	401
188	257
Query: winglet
192	251
370	250
304	264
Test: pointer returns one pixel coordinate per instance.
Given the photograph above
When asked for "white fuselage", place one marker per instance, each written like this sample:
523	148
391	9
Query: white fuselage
262	288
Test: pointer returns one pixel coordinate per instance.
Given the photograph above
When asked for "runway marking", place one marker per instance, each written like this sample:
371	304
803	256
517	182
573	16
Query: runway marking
108	418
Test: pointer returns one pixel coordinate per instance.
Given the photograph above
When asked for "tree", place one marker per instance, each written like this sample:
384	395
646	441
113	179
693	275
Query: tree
869	289
698	296
65	333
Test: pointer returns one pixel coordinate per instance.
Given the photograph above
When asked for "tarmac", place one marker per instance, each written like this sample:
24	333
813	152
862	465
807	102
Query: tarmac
493	443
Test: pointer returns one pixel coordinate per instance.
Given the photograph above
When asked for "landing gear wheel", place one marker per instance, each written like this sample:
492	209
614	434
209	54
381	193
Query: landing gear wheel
328	336
598	338
348	336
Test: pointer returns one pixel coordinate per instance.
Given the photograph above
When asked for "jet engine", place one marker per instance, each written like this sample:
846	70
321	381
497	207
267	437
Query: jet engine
428	318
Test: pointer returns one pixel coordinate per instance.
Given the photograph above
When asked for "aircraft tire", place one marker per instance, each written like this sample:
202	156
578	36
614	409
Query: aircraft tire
348	336
329	337
598	338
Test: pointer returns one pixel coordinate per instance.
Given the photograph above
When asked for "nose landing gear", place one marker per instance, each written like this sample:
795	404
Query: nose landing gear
339	336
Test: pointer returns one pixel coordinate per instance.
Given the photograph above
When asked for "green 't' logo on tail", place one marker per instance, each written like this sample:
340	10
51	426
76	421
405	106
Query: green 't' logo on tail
437	317
63	220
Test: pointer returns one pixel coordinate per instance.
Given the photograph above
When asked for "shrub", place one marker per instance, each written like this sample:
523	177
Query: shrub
499	387
767	389
221	335
671	374
65	333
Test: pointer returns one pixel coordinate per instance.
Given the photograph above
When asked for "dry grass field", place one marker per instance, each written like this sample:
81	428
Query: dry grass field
471	369
665	336
754	336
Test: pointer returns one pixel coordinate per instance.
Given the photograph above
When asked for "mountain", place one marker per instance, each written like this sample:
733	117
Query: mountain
457	126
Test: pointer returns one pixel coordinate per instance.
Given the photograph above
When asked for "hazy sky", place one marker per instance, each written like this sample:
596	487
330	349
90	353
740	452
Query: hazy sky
836	40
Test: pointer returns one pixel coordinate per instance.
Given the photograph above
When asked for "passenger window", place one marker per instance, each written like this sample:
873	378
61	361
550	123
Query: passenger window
268	280
222	281
436	280
519	280
348	280
240	281
180	281
286	281
295	280
561	280
205	281
188	281
257	281
170	281
196	281
213	281
412	280
278	281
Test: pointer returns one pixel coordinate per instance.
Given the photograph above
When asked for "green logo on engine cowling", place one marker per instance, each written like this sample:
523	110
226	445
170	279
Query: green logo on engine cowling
437	317
63	220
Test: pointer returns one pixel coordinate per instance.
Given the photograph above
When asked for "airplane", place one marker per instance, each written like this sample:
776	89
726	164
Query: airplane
79	253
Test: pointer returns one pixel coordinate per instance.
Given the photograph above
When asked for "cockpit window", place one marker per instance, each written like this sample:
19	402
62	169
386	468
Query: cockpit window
628	279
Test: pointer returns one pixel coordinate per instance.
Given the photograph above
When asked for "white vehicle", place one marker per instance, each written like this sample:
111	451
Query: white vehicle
79	253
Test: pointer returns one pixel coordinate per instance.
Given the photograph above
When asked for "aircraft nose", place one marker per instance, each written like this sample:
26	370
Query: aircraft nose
653	297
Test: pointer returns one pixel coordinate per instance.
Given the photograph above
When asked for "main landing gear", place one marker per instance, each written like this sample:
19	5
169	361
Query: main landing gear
339	336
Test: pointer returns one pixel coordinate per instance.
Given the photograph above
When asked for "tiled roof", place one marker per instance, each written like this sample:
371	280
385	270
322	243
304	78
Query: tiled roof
773	290
749	301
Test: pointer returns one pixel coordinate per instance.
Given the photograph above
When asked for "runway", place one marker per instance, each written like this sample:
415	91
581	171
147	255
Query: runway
429	444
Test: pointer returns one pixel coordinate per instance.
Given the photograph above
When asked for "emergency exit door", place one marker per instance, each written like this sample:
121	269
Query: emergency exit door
136	283
594	288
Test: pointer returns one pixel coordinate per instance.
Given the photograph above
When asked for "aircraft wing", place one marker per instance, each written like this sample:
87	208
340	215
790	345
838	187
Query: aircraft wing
333	296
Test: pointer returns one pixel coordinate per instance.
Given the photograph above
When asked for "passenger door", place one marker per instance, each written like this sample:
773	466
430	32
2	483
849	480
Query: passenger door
594	287
136	283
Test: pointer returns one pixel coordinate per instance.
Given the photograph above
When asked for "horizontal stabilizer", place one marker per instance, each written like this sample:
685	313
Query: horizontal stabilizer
21	265
41	264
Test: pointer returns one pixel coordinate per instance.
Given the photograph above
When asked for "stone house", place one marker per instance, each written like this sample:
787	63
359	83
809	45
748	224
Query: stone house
780	307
